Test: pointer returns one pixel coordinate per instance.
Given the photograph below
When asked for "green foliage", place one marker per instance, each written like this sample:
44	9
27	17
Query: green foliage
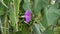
48	31
45	17
1	9
57	30
13	14
36	29
50	16
27	5
39	4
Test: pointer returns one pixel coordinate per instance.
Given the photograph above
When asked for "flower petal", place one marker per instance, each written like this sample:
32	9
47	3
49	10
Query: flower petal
27	16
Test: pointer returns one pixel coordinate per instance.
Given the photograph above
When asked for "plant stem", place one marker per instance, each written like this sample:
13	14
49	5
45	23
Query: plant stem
1	26
5	24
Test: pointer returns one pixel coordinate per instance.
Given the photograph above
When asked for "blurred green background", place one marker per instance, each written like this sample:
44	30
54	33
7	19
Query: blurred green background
45	18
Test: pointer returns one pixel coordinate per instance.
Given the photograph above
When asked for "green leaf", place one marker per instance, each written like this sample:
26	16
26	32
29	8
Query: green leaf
7	2
2	1
5	24
16	11
25	29
57	4
2	7
42	28
48	31
13	14
39	4
58	12
1	10
27	5
57	30
12	17
58	1
50	16
36	28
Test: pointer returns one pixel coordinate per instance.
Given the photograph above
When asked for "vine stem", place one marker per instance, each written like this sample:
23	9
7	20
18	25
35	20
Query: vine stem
5	23
1	26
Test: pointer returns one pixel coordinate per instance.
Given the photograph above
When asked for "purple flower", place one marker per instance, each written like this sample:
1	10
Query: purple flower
27	16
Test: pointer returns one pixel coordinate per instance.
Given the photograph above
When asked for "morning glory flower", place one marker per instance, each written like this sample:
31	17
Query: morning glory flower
27	16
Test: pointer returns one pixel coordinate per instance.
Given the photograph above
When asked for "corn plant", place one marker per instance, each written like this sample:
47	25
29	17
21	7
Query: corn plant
29	16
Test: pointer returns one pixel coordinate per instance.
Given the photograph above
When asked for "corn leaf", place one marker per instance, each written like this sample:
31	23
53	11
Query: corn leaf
13	14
